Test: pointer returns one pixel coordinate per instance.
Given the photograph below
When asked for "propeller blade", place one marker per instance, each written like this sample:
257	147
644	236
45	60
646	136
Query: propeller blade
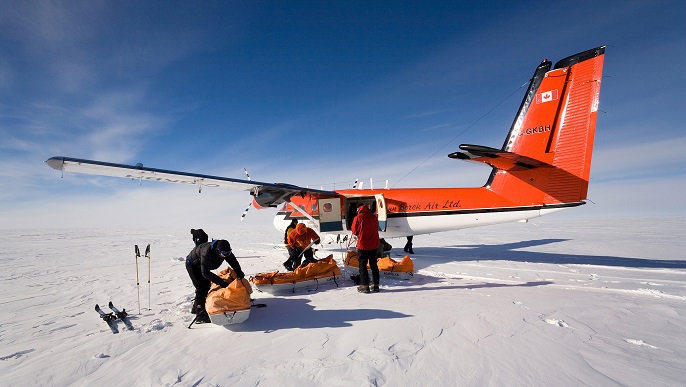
249	204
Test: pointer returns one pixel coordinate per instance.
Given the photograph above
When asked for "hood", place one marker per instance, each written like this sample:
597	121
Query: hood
363	209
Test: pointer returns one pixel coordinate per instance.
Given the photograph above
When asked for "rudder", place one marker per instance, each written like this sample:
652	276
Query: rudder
555	125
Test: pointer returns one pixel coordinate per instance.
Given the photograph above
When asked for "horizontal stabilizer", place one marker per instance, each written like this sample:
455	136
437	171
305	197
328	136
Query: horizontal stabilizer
496	158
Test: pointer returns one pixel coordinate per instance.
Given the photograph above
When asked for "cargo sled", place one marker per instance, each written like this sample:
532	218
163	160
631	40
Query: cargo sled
229	305
320	273
388	267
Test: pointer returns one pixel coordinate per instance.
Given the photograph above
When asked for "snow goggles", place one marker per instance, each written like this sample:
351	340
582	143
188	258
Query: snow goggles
225	253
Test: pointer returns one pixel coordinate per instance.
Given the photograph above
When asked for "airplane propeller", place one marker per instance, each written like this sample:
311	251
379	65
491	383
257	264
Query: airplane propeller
249	204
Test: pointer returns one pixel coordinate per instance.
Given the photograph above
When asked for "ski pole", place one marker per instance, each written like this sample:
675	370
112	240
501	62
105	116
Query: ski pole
147	254
138	254
193	322
305	249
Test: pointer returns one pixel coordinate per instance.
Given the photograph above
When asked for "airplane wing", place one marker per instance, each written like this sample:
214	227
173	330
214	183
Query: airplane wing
496	158
265	194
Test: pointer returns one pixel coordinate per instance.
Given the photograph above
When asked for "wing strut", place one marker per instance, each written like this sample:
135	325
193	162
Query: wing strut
300	210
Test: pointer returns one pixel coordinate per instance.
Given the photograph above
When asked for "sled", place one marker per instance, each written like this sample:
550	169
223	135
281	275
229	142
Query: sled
388	267
228	318
320	273
229	305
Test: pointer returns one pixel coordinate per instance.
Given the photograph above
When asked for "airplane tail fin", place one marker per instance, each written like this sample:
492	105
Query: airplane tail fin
546	157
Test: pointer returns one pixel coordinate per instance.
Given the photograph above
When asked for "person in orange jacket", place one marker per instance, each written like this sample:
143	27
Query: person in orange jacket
298	240
366	227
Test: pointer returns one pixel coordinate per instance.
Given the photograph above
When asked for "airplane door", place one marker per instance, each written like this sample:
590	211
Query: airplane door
381	211
330	215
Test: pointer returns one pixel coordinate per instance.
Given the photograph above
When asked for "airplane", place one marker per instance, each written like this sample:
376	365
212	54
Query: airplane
543	167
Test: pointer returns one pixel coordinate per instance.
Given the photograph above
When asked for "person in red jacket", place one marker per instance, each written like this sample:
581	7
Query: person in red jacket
366	228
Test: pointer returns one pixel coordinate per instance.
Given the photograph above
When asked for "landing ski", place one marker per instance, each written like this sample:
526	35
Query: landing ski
122	316
108	318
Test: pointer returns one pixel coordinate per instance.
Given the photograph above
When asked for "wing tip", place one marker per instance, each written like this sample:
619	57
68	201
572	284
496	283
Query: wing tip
56	163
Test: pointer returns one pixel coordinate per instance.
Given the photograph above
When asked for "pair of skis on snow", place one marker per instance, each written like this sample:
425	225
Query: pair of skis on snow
116	314
110	318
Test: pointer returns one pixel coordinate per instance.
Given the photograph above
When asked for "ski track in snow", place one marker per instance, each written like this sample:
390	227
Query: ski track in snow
18	354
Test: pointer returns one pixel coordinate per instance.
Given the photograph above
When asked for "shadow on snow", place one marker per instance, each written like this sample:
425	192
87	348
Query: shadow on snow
427	256
299	313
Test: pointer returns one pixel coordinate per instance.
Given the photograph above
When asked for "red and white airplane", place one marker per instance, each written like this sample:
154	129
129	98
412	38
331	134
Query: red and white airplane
543	167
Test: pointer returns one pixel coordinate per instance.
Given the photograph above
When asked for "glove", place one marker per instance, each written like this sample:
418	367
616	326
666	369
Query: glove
316	241
223	284
240	275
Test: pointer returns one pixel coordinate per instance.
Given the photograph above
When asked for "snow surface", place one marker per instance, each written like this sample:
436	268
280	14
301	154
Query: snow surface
557	301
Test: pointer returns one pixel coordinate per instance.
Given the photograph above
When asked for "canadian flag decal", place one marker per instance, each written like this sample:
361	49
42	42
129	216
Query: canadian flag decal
546	96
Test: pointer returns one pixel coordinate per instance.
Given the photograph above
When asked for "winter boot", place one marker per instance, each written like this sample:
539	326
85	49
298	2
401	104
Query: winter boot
363	289
375	288
201	315
202	318
194	308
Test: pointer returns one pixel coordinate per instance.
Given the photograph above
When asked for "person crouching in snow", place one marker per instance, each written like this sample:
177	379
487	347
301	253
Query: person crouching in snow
366	228
199	236
298	240
199	263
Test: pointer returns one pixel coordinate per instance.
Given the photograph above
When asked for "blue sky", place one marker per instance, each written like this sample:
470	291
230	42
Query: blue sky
319	94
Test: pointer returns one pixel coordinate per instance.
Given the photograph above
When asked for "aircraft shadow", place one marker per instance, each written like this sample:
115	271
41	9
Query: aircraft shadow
484	285
426	256
289	313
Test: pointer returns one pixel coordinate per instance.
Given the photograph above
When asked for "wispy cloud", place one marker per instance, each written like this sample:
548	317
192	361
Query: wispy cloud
434	127
429	113
640	160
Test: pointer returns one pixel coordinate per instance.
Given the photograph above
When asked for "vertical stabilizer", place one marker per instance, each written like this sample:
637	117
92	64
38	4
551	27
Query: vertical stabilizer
555	125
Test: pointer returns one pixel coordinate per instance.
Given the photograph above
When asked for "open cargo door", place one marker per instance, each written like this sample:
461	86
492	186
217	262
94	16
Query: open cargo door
381	211
330	218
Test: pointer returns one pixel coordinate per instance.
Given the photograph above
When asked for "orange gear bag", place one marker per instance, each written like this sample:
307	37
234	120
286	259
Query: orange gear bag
234	297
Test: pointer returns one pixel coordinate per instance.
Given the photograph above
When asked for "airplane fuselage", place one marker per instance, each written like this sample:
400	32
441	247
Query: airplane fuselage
412	211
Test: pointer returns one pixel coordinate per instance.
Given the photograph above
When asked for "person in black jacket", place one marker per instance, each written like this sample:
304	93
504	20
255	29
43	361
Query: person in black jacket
199	263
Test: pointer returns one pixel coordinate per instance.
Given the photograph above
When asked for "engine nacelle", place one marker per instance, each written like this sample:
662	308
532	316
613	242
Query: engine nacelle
266	197
263	201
